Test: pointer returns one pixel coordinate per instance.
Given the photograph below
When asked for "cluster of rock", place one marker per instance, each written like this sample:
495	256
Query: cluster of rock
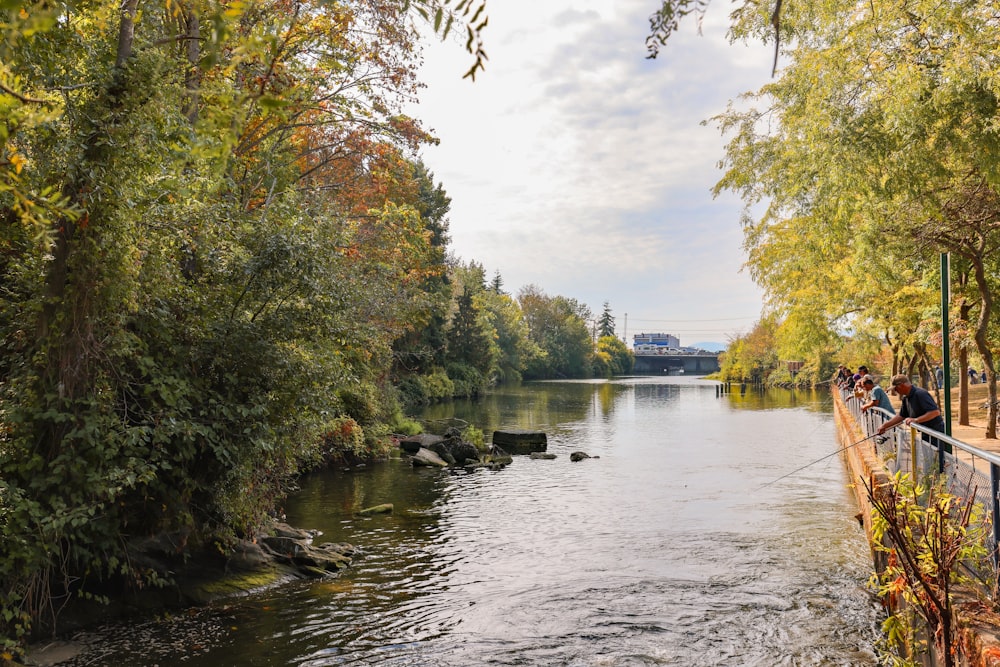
449	450
294	548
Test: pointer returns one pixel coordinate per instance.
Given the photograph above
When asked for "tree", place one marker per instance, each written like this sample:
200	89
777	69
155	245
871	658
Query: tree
497	283
751	356
606	323
469	342
904	116
558	325
515	349
211	236
423	344
620	360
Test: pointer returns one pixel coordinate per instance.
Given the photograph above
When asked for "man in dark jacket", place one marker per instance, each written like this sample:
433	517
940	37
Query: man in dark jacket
917	407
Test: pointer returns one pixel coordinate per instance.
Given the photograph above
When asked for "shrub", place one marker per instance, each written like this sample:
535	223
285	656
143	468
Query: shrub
467	381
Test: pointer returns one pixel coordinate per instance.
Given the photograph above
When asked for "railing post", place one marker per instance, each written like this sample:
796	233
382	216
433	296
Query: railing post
995	495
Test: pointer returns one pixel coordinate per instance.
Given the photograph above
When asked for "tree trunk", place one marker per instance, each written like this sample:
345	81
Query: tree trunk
68	321
963	386
963	359
192	78
982	343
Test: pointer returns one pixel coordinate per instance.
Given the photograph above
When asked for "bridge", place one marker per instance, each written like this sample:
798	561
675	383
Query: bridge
694	363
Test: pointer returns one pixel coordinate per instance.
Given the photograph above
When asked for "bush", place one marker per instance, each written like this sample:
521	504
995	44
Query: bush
418	390
475	436
468	381
406	426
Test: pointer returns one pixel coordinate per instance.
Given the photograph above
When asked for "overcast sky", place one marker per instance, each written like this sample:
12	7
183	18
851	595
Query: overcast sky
575	164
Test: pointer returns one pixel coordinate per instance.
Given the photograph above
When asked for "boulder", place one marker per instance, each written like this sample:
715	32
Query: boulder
441	449
464	452
425	457
412	444
521	441
542	455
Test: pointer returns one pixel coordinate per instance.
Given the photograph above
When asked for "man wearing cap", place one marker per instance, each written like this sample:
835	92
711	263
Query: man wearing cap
876	396
917	407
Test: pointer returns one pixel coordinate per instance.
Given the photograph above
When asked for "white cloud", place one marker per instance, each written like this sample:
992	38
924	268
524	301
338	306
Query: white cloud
576	164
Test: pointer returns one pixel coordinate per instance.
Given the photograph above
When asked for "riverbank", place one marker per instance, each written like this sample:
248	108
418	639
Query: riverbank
979	627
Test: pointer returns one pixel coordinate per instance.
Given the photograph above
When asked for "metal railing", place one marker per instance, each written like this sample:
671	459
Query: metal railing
969	471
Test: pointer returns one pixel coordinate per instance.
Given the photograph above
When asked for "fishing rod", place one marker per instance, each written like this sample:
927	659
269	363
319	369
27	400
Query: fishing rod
822	458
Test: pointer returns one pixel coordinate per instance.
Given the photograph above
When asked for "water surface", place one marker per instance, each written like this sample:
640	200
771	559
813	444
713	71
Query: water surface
671	548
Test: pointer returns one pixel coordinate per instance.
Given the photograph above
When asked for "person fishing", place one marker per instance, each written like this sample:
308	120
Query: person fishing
876	396
917	406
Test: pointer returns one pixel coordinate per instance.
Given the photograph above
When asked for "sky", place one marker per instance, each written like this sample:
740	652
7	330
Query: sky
576	164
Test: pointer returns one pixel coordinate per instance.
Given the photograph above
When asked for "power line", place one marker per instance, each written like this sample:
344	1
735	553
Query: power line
720	319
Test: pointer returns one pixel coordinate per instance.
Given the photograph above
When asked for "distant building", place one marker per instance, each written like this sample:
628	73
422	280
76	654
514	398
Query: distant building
656	340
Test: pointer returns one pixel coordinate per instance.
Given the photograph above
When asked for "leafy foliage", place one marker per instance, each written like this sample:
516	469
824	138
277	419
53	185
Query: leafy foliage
558	326
929	537
210	237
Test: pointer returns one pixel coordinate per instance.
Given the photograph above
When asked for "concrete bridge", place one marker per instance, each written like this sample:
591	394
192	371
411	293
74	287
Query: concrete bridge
700	363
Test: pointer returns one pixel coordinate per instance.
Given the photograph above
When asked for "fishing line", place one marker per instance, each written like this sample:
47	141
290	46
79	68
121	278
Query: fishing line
822	458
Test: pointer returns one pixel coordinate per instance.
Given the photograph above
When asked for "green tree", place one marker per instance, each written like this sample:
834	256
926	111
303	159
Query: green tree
210	238
423	344
903	113
558	325
751	356
606	322
620	360
516	351
497	283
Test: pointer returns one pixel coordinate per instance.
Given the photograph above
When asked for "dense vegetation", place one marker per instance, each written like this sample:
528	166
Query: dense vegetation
221	263
873	151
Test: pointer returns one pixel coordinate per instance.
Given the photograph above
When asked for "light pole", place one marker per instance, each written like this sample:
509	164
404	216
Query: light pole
945	339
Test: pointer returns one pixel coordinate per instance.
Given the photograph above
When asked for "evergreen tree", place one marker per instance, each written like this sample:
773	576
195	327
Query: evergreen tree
497	283
606	323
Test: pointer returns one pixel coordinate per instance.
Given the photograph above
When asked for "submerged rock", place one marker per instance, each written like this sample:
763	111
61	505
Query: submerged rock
519	441
384	508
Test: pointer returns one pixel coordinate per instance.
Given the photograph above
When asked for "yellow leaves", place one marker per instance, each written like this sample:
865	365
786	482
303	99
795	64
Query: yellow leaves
235	10
18	161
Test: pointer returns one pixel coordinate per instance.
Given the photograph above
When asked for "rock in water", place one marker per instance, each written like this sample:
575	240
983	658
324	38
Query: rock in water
384	508
425	457
521	442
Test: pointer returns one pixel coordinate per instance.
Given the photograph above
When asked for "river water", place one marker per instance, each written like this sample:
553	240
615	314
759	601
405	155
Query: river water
671	548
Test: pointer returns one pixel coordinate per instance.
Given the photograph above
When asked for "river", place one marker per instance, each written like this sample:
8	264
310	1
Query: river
674	547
